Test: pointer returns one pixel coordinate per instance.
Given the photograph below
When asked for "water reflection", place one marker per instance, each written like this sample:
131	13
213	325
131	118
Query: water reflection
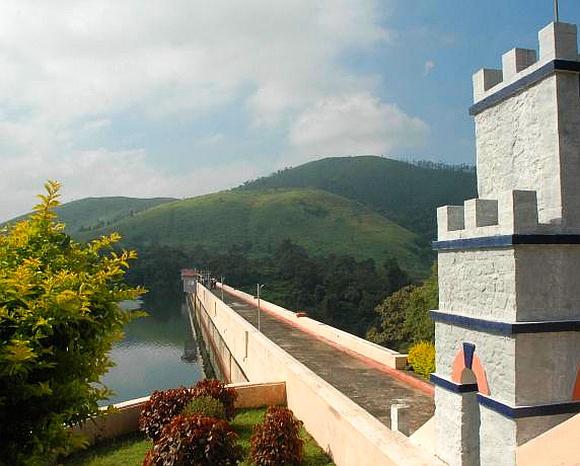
158	351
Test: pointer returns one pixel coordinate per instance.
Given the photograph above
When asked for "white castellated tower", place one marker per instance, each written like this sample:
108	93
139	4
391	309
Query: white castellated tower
508	324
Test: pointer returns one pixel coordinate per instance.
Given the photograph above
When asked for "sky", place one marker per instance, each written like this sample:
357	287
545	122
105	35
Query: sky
184	97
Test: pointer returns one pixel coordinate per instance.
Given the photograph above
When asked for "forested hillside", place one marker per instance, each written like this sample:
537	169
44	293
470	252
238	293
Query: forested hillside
257	222
333	237
407	194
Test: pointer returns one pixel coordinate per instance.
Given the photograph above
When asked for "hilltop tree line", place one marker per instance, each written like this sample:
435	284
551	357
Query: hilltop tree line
377	301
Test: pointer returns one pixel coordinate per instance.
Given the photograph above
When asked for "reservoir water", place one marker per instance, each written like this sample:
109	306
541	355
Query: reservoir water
157	352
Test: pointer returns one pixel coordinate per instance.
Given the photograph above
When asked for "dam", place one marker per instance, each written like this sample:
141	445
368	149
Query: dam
345	391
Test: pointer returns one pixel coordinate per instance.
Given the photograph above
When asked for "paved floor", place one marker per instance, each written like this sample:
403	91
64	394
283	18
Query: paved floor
372	389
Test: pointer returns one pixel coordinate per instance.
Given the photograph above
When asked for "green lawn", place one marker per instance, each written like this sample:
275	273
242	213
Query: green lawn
243	424
130	450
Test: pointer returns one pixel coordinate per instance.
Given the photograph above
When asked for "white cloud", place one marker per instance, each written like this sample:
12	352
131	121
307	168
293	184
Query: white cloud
71	58
429	66
101	172
356	124
36	151
70	66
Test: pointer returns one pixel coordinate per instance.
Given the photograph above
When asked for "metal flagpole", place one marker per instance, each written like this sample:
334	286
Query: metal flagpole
556	11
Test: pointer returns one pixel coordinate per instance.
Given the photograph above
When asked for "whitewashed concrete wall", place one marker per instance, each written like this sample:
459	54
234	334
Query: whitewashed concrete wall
510	136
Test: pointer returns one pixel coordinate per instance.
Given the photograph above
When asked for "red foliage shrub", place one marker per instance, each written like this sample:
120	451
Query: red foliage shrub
161	408
195	440
218	390
277	441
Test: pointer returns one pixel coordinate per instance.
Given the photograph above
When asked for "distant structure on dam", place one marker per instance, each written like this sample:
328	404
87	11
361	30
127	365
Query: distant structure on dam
508	324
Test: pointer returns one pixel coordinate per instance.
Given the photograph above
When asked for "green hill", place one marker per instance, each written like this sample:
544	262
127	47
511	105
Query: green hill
407	194
96	212
321	222
366	207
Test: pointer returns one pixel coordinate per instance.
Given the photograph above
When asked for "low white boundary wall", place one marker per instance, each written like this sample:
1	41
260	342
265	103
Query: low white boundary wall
347	432
125	418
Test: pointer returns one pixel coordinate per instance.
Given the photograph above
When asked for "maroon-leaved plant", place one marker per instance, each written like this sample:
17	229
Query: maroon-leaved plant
195	440
277	442
161	408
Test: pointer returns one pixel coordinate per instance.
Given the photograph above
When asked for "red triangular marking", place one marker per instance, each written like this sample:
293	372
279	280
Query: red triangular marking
576	393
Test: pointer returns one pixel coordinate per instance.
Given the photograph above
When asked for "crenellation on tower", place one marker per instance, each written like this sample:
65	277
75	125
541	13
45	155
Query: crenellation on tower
557	41
480	213
484	80
450	218
516	61
514	212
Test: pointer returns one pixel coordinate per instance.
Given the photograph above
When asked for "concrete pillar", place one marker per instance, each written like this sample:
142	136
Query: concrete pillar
508	325
400	418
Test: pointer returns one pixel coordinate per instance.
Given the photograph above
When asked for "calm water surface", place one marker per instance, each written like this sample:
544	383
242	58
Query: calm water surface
151	356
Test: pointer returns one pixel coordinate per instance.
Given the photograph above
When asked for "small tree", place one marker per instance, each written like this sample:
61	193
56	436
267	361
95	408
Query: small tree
59	316
403	318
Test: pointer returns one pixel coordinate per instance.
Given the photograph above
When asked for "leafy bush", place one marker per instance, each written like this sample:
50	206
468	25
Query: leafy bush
403	318
195	440
161	408
217	389
205	406
422	358
59	317
277	441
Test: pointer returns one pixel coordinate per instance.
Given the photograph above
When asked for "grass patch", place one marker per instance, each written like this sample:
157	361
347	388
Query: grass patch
130	450
244	423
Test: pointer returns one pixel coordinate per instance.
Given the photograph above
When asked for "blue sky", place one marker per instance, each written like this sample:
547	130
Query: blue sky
183	97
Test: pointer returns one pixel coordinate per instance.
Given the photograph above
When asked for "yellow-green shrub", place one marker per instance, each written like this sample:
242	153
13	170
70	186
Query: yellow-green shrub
59	318
205	406
422	358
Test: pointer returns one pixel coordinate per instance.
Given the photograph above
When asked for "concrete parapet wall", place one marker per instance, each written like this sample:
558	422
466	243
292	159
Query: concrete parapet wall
258	395
558	446
124	420
346	431
125	417
343	340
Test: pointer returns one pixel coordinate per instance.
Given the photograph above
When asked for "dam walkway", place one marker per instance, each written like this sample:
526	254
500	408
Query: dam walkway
371	388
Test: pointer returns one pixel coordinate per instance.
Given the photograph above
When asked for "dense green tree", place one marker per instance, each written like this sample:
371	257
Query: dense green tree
299	273
390	329
336	289
403	318
418	323
59	316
